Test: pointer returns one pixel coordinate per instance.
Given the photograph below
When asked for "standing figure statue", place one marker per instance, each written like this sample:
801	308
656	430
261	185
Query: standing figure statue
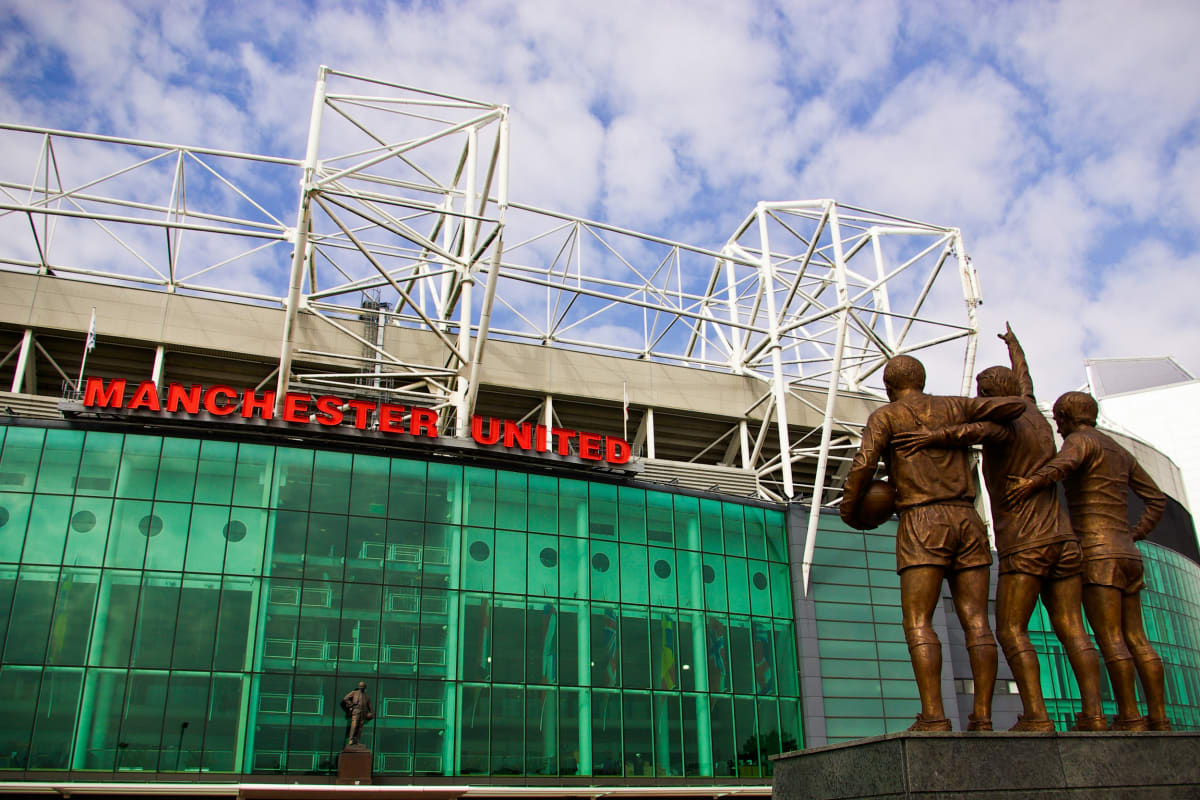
1097	474
357	705
940	535
1039	554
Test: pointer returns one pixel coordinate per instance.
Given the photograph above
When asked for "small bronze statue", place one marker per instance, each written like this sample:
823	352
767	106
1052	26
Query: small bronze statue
357	705
940	535
1039	554
1097	474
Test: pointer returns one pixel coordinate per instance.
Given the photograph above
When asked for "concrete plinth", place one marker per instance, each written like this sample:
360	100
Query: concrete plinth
995	766
354	765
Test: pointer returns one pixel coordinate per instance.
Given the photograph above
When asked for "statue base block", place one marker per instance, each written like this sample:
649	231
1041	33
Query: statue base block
354	765
995	766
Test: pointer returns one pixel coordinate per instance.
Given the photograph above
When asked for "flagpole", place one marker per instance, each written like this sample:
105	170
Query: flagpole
88	345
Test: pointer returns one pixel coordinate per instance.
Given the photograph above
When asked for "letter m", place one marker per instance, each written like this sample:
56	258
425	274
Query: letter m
95	395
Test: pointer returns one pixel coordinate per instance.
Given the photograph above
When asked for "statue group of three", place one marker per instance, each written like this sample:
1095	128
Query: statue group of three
1087	558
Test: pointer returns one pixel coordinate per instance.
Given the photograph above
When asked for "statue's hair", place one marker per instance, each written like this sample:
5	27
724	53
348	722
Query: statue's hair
998	382
1078	407
904	372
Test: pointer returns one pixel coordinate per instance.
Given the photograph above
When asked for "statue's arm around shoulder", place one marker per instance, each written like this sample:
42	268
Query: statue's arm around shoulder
1155	501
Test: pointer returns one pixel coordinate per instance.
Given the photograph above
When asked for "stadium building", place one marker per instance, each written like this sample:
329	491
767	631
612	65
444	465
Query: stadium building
564	495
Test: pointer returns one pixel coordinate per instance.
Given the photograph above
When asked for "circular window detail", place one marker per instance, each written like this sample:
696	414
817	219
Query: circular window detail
3	516
709	573
479	551
760	580
83	521
662	569
151	525
549	557
600	562
235	531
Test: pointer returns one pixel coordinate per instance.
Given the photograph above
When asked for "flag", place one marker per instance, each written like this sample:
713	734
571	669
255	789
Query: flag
764	672
718	656
666	669
91	335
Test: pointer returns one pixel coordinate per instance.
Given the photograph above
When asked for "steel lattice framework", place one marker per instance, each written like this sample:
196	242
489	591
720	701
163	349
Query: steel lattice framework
404	218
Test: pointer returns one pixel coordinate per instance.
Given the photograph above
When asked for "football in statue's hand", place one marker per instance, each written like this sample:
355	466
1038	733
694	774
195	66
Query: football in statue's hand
877	505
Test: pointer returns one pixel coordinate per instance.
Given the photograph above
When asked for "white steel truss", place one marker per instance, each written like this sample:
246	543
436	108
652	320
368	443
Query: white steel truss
404	222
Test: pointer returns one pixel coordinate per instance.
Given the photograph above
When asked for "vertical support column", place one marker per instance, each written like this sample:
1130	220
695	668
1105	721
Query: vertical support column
736	338
156	372
744	442
973	298
835	374
766	275
650	432
300	241
24	363
882	301
462	414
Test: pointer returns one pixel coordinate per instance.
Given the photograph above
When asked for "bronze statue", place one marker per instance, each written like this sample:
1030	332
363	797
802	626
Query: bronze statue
357	705
1097	474
1039	554
940	535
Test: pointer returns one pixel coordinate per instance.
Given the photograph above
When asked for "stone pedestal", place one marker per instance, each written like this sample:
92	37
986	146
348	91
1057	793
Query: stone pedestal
354	765
995	766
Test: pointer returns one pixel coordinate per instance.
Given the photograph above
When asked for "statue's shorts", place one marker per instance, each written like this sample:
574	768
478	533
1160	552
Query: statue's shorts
949	535
1120	573
1052	561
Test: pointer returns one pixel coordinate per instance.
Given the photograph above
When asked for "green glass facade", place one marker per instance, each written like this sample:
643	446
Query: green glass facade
177	604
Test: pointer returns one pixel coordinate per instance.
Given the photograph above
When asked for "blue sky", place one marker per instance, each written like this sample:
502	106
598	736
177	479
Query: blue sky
1062	138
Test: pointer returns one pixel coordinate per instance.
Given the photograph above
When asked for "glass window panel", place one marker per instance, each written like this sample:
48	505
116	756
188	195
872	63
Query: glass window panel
60	461
101	714
787	670
737	584
405	549
662	577
237	609
166	543
690	640
571	736
634	581
433	655
508	730
664	650
639	734
512	491
734	527
687	522
222	725
252	478
543	504
74	609
325	551
245	538
746	734
760	588
332	474
510	562
724	748
183	723
53	735
695	762
177	470
195	634
631	514
635	648
13	522
764	657
713	575
293	479
358	642
158	610
142	721
541	643
476	705
756	533
481	497
607	755
139	466
776	528
214	473
543	565
574	566
476	639
443	501
602	511
29	627
317	632
507	637
116	612
720	676
711	534
316	731
288	533
574	647
366	547
660	518
87	532
604	571
781	595
369	486
47	537
477	561
605	643
741	654
100	463
572	507
22	453
438	556
541	731
690	579
206	539
406	495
